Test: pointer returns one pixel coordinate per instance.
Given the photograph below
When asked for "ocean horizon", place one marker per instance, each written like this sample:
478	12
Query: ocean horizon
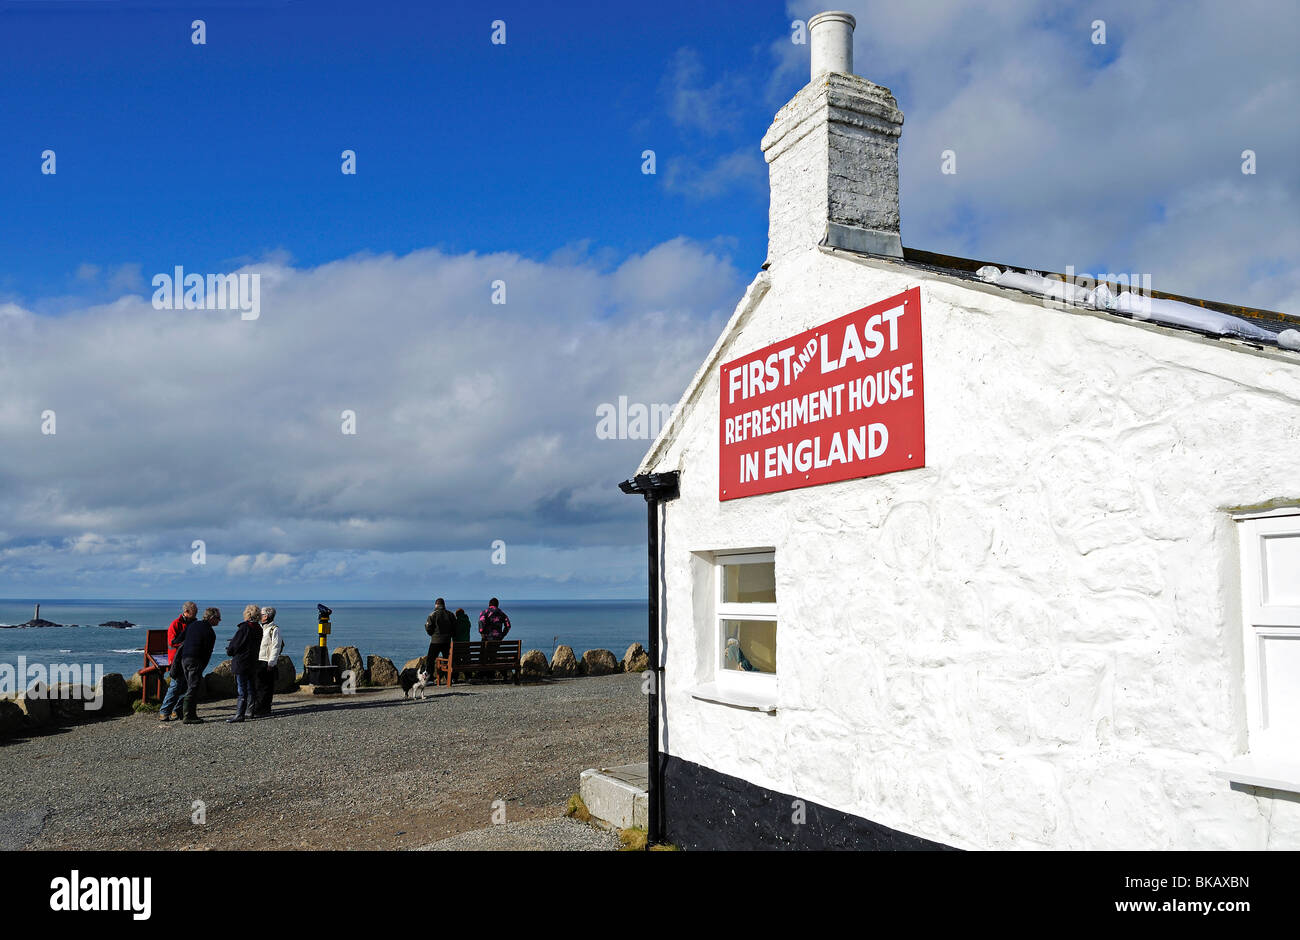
393	629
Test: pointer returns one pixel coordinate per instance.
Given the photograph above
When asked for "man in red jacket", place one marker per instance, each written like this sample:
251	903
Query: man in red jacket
175	638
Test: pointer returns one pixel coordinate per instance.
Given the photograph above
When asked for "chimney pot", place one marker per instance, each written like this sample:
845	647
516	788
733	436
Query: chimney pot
831	35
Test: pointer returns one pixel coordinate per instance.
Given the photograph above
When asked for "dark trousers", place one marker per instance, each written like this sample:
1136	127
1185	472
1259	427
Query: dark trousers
243	693
264	688
193	679
438	646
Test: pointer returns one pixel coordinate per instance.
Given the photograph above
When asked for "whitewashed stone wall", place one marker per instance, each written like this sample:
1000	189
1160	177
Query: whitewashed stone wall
1034	641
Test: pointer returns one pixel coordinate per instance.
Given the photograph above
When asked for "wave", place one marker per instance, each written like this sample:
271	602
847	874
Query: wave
139	650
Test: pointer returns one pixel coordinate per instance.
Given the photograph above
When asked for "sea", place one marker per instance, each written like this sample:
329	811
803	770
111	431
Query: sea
380	628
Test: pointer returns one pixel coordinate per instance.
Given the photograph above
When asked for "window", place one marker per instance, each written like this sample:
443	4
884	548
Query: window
1270	583
1270	596
745	632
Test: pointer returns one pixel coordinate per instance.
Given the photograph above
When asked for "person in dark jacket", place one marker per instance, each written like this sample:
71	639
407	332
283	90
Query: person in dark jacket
175	638
243	650
462	625
441	627
493	624
196	652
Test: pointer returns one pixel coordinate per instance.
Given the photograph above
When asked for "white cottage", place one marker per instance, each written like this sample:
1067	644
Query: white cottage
944	555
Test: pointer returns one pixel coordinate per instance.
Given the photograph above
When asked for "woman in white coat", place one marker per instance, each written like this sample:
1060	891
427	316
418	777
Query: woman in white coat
268	659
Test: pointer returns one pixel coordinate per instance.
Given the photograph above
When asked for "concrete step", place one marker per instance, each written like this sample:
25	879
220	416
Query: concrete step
617	796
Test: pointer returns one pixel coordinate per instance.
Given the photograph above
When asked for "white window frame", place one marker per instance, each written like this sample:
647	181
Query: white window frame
1273	757
761	684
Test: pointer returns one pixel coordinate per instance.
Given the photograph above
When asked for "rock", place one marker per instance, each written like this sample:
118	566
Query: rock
219	683
11	719
314	656
349	658
285	679
382	671
636	659
119	624
114	691
533	664
564	664
134	685
416	664
598	663
38	622
68	700
35	707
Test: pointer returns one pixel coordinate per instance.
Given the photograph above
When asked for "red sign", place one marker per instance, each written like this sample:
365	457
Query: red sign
837	402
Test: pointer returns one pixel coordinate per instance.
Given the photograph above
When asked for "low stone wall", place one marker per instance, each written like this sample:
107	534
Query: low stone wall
30	711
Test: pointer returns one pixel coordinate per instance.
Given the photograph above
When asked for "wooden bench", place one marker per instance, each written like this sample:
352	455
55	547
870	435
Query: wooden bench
479	656
155	664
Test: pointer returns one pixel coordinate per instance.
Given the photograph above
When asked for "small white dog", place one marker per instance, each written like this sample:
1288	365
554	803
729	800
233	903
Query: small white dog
421	683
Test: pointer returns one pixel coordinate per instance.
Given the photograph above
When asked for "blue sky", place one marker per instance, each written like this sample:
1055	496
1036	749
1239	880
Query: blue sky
519	163
230	150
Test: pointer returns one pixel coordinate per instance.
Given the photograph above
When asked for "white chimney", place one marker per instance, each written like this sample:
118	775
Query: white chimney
832	155
831	36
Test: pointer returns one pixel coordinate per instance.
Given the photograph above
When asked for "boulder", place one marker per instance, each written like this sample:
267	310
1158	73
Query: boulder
68	700
35	707
314	656
11	719
416	664
533	665
135	685
349	658
597	663
636	659
382	671
564	664
285	679
116	697
218	684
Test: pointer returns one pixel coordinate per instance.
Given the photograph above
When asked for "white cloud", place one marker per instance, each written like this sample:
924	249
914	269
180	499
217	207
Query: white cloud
474	421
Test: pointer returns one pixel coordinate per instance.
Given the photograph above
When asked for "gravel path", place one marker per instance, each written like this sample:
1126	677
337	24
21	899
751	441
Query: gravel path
368	771
546	835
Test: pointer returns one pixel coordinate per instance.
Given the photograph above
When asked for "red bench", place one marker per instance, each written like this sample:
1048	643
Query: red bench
155	664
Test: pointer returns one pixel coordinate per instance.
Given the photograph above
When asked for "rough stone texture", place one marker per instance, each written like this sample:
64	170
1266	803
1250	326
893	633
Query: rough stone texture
68	700
417	664
35	708
285	678
315	656
382	671
597	663
564	664
219	683
636	659
533	665
113	689
135	685
832	153
1037	637
11	719
349	657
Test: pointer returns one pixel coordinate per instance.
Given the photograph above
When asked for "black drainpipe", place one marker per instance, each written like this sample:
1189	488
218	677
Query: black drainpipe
655	487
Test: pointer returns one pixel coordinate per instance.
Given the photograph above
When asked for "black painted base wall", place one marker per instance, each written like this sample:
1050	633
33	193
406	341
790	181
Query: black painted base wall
704	809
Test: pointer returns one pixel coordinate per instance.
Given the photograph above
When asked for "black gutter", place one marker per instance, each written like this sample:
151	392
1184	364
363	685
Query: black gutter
655	487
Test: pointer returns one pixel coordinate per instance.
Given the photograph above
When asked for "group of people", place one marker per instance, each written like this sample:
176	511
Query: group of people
254	653
255	650
444	628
